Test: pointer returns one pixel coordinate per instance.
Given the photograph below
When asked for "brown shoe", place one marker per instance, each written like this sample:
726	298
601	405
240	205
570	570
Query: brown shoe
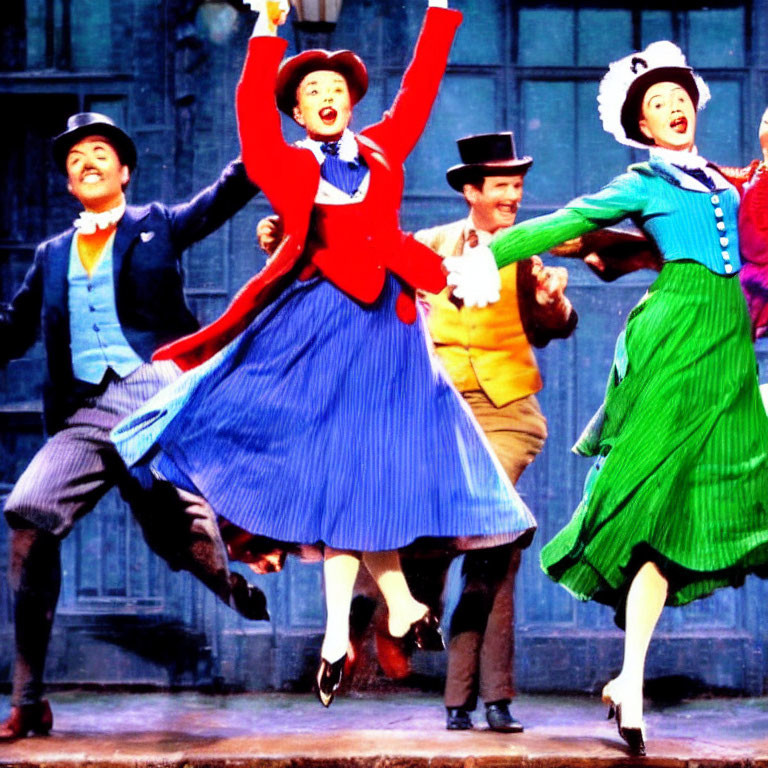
34	718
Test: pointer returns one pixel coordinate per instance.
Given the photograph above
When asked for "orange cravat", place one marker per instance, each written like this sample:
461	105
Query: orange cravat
90	247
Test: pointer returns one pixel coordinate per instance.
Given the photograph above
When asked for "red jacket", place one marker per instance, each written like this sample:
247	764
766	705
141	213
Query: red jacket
352	245
752	183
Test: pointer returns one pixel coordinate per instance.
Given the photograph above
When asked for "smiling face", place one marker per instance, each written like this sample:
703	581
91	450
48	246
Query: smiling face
764	135
95	175
494	206
324	107
668	116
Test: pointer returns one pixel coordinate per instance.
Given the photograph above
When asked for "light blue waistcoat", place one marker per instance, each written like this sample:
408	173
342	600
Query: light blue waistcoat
96	338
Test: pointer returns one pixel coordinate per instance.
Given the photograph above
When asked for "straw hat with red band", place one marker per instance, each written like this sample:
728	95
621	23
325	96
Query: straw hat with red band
292	71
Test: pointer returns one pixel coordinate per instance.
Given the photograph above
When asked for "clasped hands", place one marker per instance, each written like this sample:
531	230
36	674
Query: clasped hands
474	276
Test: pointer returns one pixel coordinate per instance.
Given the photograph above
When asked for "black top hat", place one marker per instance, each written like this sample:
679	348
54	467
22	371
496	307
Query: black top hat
487	154
292	71
93	124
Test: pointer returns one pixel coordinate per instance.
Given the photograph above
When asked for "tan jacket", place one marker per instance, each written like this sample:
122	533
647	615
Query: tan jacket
490	348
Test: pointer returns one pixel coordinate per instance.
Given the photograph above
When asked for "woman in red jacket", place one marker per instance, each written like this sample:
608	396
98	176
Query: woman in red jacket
314	412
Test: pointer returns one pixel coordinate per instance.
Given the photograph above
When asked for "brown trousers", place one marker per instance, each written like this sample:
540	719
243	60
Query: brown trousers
481	645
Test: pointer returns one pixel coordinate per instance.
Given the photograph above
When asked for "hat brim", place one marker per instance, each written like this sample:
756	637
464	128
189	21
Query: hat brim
292	71
458	175
119	139
630	111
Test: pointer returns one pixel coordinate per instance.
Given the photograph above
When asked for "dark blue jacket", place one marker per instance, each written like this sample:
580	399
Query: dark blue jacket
148	246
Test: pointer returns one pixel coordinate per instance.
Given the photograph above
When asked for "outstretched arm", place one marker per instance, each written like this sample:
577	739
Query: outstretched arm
474	274
402	125
623	197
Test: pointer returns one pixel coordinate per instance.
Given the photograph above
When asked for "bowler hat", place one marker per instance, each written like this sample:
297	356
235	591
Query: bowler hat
487	154
93	124
292	71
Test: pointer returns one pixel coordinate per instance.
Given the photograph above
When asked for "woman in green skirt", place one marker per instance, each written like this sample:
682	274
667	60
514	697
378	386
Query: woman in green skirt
676	504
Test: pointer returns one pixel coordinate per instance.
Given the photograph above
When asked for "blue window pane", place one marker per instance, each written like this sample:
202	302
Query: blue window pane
114	108
463	107
479	40
546	37
35	34
720	129
92	46
730	29
655	25
548	135
599	156
601	33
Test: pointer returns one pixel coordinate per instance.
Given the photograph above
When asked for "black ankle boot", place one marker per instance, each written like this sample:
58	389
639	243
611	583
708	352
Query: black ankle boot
249	601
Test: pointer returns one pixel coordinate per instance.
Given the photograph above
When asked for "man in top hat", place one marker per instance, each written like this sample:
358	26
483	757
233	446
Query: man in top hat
107	293
488	353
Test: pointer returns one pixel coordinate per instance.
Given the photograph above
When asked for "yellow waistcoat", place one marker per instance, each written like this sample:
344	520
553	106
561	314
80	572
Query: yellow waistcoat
481	348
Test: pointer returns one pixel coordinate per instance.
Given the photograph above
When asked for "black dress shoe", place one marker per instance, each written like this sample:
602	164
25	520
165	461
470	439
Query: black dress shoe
328	679
499	718
249	601
457	719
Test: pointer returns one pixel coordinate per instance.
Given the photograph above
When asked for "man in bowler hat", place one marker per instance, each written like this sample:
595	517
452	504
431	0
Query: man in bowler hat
107	293
488	353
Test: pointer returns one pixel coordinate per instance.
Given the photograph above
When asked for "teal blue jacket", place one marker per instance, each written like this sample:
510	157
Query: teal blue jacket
683	218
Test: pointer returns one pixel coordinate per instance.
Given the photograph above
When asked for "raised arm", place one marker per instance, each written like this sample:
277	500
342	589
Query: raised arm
212	206
403	123
269	161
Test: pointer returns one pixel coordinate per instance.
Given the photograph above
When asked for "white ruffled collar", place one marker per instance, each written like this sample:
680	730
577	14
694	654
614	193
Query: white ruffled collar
682	158
89	221
348	151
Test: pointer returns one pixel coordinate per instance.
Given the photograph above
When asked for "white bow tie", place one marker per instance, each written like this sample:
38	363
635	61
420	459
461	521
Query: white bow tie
89	221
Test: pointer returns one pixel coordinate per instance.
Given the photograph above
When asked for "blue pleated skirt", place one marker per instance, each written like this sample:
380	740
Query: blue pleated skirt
329	421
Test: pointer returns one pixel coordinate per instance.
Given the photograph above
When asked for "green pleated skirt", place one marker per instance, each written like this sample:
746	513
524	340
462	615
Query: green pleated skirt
681	476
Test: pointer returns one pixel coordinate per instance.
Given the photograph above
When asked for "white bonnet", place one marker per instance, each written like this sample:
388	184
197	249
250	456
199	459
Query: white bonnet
627	79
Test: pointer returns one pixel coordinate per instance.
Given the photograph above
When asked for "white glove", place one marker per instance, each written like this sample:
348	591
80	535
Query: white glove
475	276
271	15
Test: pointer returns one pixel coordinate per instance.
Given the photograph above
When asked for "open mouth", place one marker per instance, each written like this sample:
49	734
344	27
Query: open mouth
90	177
328	115
679	124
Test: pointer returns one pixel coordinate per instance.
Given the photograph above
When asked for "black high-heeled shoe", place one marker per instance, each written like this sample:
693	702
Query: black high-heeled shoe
328	679
424	634
632	736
